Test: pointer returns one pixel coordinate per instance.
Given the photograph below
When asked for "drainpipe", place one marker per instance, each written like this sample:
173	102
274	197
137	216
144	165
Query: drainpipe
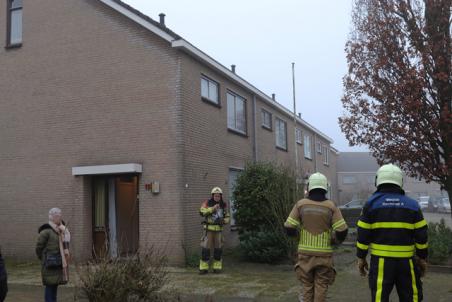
315	152
254	130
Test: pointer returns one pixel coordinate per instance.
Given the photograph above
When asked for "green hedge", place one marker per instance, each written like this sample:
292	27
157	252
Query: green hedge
263	197
439	242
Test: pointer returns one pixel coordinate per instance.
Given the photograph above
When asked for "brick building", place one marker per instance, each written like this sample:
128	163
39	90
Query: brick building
126	126
356	179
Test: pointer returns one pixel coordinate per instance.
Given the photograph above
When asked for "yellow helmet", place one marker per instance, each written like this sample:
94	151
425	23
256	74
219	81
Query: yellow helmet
389	174
317	181
217	190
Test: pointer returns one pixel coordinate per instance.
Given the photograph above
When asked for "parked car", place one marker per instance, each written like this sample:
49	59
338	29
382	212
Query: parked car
444	206
354	204
423	202
351	212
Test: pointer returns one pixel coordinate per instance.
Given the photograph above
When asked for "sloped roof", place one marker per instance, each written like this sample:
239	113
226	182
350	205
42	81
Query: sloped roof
356	162
178	42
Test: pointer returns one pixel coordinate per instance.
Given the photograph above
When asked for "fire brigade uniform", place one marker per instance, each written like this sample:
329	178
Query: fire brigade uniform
319	224
393	228
212	238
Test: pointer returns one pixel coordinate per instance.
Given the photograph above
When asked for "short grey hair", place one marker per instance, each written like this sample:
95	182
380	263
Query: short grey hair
53	212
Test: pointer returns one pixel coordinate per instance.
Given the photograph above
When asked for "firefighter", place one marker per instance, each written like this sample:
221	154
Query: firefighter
319	224
215	213
393	228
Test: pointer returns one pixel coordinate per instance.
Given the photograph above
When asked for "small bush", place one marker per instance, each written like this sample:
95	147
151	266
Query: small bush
191	257
136	278
263	195
439	242
262	246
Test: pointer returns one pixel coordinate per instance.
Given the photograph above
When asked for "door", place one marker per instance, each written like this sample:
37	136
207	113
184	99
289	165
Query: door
115	215
100	218
127	213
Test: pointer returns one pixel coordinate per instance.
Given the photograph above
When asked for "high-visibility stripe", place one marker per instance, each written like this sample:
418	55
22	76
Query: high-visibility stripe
381	265
390	225
420	224
396	251
213	227
362	246
421	246
204	210
338	224
203	265
413	282
364	225
310	242
392	248
312	249
293	221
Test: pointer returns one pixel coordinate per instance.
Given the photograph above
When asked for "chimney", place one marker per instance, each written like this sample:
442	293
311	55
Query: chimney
233	68
273	97
162	19
299	114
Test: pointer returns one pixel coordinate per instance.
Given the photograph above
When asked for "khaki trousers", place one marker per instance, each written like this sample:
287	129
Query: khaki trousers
316	273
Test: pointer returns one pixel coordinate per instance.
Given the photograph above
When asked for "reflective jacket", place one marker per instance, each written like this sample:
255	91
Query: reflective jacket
392	225
316	220
214	219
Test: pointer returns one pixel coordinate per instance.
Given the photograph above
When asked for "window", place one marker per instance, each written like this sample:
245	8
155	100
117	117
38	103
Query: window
233	174
236	113
326	154
348	179
319	148
14	23
307	146
209	90
281	133
299	136
266	119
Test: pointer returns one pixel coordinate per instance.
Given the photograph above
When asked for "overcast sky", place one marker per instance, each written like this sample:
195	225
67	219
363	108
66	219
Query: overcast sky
263	37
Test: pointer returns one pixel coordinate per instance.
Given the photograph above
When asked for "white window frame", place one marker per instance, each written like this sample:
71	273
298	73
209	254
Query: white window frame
264	125
234	124
278	123
14	24
209	96
299	136
319	147
326	155
307	146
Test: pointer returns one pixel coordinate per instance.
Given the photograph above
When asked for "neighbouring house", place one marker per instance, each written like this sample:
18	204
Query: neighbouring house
356	173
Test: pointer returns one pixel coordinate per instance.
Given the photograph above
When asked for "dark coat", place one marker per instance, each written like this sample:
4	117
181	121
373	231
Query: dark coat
48	243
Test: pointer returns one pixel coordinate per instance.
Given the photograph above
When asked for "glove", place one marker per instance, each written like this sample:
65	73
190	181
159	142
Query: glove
363	267
422	265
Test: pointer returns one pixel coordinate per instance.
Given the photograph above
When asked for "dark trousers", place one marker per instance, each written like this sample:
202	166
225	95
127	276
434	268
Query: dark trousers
384	273
51	293
3	289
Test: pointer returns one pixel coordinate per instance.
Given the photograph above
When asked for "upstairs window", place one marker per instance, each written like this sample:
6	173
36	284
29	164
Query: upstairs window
307	146
266	119
281	134
14	23
326	155
319	148
209	90
236	113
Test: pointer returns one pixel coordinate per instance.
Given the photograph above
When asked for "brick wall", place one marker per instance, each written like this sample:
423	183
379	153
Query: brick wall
88	87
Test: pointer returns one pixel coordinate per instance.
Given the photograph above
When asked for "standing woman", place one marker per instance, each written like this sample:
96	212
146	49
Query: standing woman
52	249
